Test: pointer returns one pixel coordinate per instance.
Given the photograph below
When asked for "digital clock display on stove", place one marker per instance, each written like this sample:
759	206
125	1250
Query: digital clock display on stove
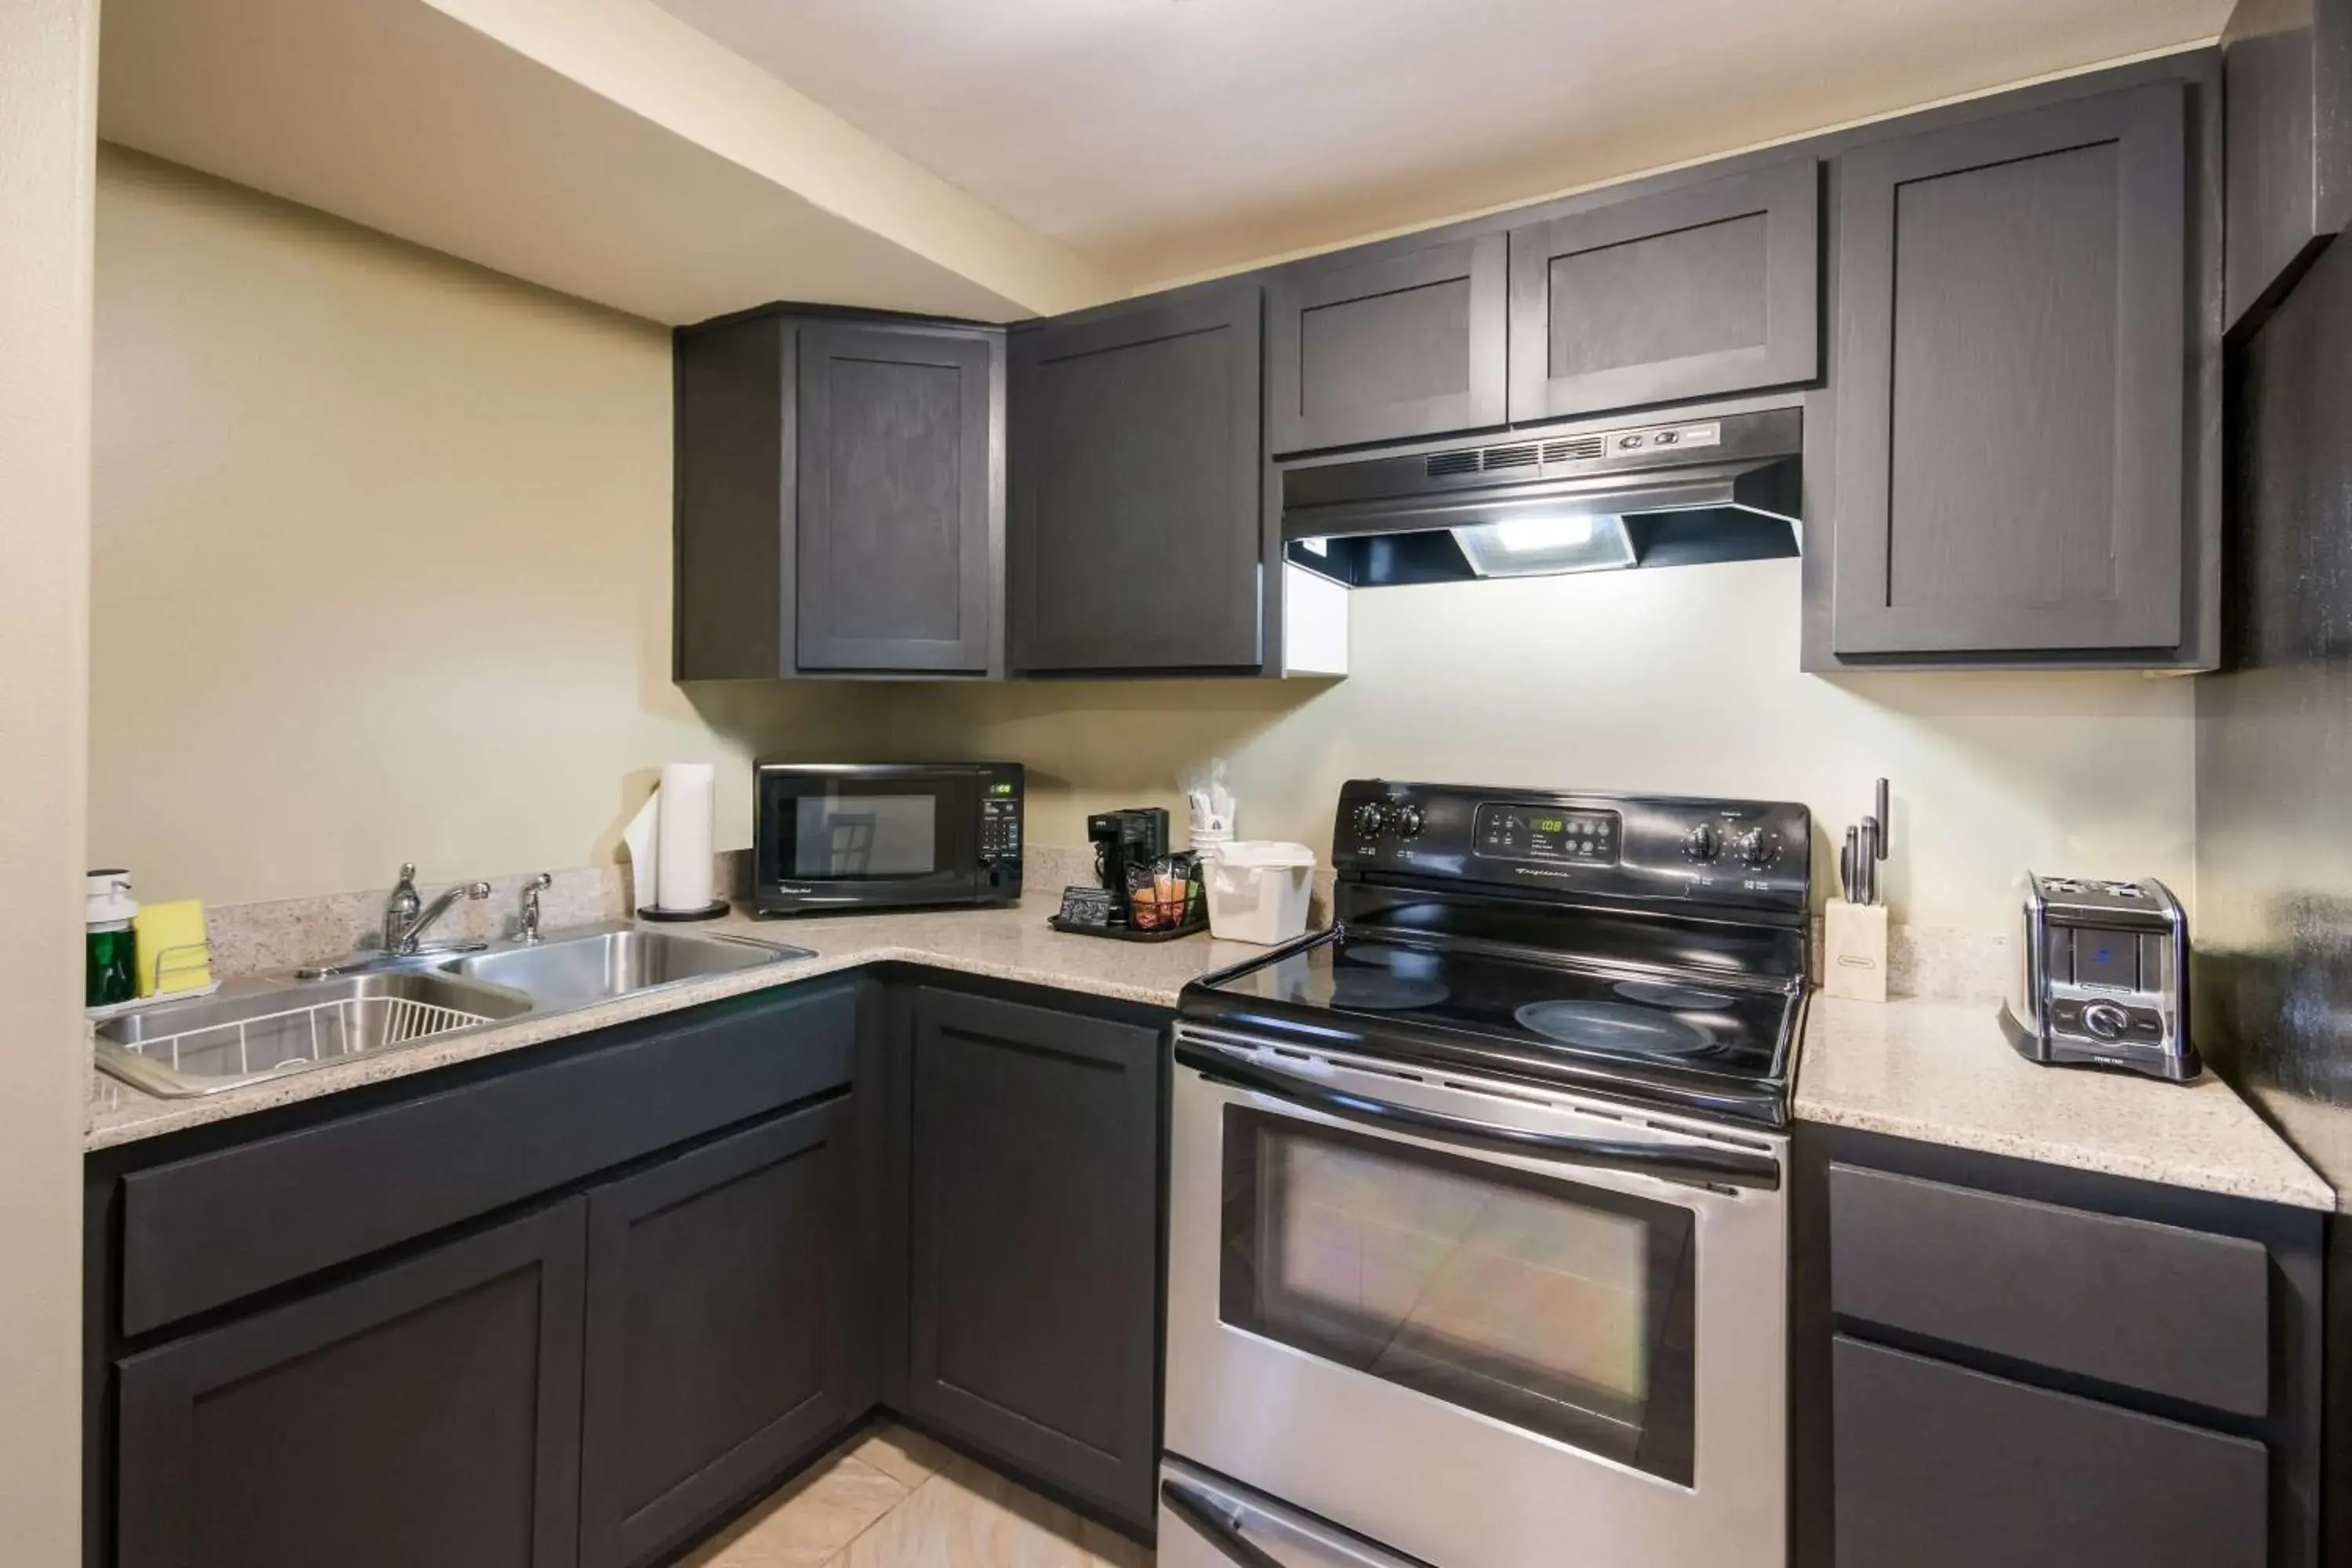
1548	834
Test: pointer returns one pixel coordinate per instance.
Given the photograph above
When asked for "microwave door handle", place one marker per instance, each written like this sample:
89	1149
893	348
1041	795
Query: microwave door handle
1219	1530
1691	1165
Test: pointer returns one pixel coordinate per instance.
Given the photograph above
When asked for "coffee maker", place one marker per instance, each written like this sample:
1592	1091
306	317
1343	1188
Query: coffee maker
1136	836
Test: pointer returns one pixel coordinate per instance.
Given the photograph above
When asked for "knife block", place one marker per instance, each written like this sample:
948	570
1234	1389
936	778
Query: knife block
1854	951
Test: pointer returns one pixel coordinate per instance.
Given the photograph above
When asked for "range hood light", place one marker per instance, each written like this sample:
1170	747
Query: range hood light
1521	535
1546	544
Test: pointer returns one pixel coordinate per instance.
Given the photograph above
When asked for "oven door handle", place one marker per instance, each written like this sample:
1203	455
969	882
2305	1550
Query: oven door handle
1219	1530
1691	1165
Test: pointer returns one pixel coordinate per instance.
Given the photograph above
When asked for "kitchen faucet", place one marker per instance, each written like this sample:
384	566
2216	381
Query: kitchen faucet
406	918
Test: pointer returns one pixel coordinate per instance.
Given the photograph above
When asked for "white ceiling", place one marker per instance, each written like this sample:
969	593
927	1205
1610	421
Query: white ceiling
1166	138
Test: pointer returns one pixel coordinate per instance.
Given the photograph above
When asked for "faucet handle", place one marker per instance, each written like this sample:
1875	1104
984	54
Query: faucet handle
478	890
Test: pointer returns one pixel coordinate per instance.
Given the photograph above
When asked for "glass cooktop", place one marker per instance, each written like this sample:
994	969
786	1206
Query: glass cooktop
1680	1034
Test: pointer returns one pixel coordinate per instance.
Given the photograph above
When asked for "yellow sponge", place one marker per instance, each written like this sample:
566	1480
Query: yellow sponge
171	946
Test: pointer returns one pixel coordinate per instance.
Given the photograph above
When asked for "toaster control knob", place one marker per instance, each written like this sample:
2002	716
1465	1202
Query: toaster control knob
2105	1020
1407	821
1368	819
1702	843
1755	849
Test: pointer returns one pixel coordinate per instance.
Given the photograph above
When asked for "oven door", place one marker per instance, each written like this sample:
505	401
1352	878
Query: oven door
866	837
1474	1322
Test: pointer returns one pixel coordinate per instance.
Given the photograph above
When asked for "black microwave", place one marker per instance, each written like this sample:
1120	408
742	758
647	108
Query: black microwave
883	835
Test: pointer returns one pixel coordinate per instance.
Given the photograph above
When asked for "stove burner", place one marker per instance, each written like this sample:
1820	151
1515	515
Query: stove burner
1378	991
1615	1028
1683	998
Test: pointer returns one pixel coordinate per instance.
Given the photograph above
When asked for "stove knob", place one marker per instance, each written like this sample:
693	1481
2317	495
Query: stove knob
1368	819
1755	849
1702	844
1408	821
2105	1020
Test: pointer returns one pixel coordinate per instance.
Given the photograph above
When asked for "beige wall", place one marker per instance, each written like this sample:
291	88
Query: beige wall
48	91
381	560
1681	680
382	552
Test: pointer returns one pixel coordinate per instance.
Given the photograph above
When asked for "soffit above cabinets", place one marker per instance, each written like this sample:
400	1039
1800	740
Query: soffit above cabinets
1173	138
604	150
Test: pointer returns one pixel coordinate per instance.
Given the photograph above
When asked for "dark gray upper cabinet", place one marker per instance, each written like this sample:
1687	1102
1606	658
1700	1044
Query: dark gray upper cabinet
2012	379
427	1413
839	498
1388	344
1134	534
2287	75
897	492
1694	292
1033	1228
730	1329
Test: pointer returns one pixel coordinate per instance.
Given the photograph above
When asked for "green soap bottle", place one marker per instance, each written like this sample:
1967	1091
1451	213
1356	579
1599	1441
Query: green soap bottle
110	970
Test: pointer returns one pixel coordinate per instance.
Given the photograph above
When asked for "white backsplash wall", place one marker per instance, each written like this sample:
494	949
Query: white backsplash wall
1673	681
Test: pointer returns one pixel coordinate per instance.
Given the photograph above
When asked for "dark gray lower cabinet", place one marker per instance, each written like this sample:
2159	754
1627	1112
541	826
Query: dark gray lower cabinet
2002	1362
1033	1242
1939	1467
729	1327
426	1414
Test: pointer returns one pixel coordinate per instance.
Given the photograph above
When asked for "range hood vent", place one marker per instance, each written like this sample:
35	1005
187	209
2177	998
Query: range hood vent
1697	490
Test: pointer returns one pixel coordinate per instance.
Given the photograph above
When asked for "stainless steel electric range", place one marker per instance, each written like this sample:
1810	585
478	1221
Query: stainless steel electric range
1477	1241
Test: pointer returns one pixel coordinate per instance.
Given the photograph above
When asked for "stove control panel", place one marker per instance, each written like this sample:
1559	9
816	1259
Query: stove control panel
1547	833
1737	854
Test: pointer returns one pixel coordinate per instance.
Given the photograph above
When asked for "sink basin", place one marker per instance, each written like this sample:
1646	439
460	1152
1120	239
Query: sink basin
240	1036
595	966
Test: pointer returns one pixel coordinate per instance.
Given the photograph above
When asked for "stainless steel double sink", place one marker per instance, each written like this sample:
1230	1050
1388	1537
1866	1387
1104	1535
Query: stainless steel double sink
256	1030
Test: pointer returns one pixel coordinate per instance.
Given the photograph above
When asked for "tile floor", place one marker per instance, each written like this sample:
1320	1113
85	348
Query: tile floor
889	1498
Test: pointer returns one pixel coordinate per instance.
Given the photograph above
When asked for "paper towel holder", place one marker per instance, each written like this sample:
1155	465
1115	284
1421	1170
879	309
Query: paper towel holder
644	840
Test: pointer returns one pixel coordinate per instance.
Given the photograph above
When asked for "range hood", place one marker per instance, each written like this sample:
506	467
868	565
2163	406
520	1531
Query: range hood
1721	488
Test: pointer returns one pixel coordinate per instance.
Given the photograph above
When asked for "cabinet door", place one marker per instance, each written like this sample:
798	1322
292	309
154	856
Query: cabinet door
1389	348
2010	382
1942	1467
428	1412
1695	292
1136	488
1034	1206
728	1328
895	499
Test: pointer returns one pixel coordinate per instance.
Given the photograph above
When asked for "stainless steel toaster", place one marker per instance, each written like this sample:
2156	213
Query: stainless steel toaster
2103	979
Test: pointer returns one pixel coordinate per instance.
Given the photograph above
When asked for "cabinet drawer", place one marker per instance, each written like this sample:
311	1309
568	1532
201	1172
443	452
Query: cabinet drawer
1942	1467
2146	1305
202	1232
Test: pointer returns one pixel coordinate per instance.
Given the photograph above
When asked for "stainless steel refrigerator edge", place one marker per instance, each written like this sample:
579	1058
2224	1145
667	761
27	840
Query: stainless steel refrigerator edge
2272	969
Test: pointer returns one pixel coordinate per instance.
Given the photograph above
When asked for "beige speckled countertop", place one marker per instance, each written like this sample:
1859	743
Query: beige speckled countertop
1935	1070
1942	1072
1004	944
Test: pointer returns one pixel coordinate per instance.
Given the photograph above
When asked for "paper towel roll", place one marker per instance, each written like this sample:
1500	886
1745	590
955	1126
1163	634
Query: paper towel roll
682	858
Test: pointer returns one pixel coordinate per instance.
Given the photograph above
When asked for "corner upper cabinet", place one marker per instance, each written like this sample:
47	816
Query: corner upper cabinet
1699	291
2018	347
839	498
1134	532
1389	344
2287	81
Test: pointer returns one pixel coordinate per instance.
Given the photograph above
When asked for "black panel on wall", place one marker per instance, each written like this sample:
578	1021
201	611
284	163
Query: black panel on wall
2272	977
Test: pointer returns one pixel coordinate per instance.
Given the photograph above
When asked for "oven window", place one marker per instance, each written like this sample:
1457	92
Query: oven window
855	837
1558	1307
